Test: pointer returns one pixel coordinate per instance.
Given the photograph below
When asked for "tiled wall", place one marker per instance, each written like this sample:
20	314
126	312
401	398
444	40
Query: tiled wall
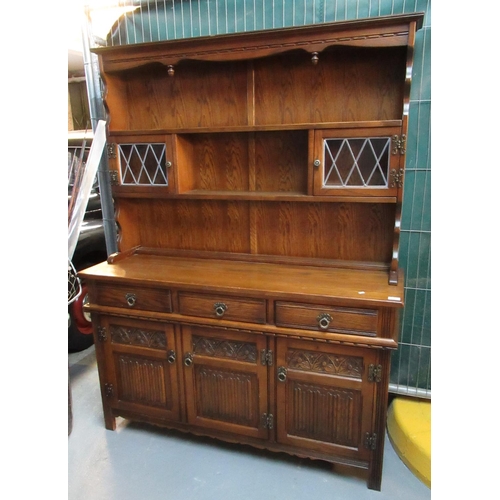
410	372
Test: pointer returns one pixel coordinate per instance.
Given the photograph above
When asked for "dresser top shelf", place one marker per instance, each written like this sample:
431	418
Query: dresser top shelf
285	281
388	31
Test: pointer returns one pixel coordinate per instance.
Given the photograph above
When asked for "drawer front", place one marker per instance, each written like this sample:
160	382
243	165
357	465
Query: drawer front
355	321
223	307
130	297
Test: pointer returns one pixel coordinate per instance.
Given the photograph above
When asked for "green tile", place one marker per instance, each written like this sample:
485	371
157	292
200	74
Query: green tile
412	261
400	361
417	201
412	136
406	329
418	142
339	11
418	369
395	364
410	367
418	66
420	314
398	6
423	157
426	326
426	66
404	240
408	208
417	263
415	324
421	70
424	6
426	220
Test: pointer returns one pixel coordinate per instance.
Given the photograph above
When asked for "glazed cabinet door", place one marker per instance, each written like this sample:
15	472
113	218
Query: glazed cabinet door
226	381
358	162
141	366
142	164
324	400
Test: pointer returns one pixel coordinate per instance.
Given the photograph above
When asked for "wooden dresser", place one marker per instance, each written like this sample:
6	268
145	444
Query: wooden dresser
258	182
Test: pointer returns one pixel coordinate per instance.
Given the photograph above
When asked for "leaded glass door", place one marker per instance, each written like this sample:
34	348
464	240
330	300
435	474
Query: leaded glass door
358	162
143	163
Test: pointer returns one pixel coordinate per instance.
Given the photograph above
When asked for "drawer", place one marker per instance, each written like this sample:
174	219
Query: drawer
131	297
223	307
355	321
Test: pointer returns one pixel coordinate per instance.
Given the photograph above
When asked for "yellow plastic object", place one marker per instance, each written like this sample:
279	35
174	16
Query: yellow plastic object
409	430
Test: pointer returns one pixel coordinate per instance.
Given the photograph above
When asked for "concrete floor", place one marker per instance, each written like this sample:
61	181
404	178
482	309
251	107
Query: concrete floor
138	461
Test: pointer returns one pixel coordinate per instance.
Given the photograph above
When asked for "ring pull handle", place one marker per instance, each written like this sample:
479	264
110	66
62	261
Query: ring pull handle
324	321
220	308
281	373
131	299
171	356
188	359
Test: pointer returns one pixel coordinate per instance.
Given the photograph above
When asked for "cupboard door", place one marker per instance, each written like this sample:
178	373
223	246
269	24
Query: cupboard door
142	367
357	162
143	163
324	400
226	380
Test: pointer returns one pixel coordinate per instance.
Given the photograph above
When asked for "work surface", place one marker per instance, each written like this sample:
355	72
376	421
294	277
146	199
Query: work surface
368	286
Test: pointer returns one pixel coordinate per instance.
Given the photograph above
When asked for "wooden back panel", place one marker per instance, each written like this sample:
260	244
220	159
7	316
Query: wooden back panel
340	231
352	84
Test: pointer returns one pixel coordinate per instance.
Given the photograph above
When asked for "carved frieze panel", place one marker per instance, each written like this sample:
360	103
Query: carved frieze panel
221	348
320	362
154	339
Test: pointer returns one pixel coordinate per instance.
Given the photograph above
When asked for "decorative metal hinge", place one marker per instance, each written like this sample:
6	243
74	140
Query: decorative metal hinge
111	150
266	357
113	177
267	420
101	334
370	441
398	144
397	177
374	373
108	390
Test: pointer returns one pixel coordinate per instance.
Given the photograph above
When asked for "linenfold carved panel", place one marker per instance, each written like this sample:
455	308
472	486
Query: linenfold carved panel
154	339
324	413
227	396
142	381
347	366
221	348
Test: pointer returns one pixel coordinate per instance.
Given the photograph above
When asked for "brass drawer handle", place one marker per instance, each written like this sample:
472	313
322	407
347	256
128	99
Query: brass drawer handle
220	308
131	299
171	356
324	321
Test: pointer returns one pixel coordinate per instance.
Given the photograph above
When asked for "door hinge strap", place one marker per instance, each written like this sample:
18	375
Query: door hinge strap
108	390
397	177
267	421
399	144
111	150
266	357
113	177
371	441
101	334
374	373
